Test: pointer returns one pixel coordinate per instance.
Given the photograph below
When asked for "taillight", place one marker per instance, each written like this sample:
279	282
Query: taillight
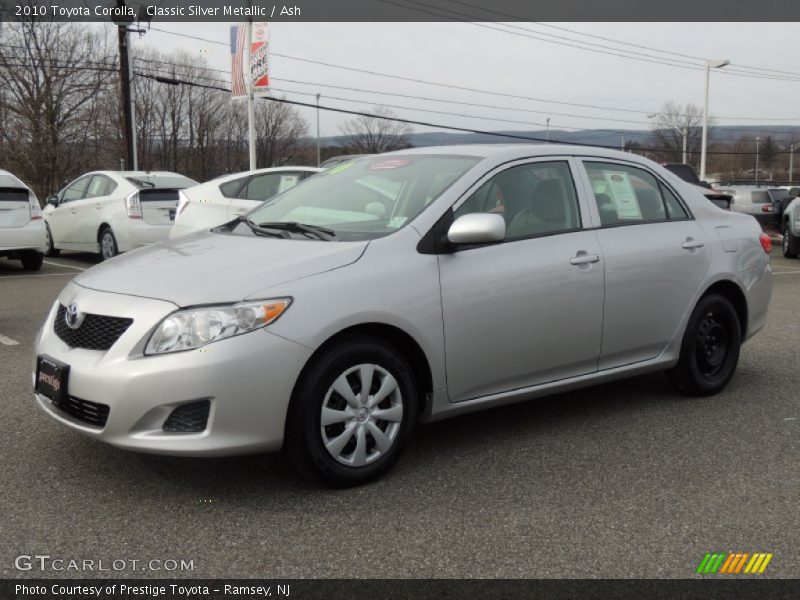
183	201
133	206
767	208
36	209
766	242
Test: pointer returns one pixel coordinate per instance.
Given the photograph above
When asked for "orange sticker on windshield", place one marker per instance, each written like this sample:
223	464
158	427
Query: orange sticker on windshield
389	163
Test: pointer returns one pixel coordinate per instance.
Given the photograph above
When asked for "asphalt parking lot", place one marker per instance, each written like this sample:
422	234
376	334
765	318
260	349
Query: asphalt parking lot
622	480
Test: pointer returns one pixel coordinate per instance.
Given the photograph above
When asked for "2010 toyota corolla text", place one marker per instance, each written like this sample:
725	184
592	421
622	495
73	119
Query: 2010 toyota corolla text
409	286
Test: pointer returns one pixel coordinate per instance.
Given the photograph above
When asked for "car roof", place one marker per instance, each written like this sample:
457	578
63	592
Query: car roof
516	151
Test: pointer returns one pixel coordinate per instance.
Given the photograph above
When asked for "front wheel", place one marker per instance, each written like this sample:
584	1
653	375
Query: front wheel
108	244
351	413
791	244
710	348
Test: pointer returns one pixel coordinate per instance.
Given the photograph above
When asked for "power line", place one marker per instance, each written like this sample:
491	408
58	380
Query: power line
175	81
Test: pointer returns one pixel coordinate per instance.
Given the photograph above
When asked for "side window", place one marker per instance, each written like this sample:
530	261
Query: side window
534	199
100	186
629	195
75	190
231	188
262	187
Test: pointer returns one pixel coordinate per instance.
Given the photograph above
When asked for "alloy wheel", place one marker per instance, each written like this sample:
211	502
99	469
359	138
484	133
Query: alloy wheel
361	415
107	245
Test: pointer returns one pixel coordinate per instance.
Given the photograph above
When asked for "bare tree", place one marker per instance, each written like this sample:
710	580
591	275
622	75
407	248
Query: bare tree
674	121
279	129
375	133
56	77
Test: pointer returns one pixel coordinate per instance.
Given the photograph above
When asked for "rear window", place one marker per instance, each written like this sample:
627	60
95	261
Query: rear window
760	197
10	181
150	182
13	194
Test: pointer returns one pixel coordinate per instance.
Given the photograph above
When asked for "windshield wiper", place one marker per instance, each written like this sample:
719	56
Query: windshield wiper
321	233
256	229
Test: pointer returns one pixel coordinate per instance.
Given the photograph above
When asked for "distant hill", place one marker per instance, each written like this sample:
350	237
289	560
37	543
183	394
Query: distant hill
586	136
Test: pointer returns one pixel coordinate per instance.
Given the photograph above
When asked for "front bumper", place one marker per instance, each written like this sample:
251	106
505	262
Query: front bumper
248	380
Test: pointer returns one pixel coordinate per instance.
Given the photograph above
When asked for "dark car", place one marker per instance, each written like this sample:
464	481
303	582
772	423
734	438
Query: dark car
765	204
686	172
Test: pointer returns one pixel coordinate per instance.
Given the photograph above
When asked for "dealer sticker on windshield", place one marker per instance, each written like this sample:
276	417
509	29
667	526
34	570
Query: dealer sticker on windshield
389	163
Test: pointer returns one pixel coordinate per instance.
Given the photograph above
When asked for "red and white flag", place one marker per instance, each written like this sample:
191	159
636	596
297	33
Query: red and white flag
259	58
238	43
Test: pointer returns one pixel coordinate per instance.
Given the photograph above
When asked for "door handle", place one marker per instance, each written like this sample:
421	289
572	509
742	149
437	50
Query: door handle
692	244
98	206
582	258
72	211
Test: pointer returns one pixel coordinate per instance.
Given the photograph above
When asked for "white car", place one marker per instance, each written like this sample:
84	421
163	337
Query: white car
22	231
113	211
225	198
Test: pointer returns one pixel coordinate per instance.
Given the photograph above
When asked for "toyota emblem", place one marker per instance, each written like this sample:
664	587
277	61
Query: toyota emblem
73	317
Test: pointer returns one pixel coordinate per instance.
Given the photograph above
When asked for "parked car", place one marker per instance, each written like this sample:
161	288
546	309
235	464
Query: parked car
686	172
113	211
337	160
224	198
22	232
790	228
765	204
321	325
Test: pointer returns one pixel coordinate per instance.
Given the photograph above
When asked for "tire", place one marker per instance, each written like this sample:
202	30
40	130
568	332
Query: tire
108	244
710	348
791	243
50	251
363	454
31	260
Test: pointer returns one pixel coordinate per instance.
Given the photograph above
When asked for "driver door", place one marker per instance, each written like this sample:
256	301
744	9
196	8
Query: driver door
528	310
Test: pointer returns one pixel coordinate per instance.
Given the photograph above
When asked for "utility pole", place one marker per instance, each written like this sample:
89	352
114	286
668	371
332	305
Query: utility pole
792	148
251	106
125	81
548	129
758	141
318	157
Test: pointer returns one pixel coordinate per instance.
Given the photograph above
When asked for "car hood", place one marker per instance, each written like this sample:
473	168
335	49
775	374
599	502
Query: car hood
208	267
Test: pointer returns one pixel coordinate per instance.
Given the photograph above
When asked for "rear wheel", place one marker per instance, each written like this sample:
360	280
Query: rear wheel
791	244
49	249
351	413
108	244
710	348
31	260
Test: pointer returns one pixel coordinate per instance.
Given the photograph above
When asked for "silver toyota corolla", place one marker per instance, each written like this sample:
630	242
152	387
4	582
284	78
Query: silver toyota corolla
409	286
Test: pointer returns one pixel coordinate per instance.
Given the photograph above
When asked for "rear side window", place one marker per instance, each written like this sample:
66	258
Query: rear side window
629	195
100	186
267	185
231	189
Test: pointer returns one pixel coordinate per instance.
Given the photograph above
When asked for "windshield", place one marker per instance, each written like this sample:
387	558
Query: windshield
177	182
366	198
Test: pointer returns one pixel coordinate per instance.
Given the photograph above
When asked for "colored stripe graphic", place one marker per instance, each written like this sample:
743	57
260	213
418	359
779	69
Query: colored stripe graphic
734	563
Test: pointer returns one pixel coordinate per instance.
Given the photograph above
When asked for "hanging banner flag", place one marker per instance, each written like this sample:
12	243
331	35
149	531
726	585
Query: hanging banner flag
259	59
238	43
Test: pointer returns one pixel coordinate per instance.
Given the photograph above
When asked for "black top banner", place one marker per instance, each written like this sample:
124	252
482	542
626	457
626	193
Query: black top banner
400	10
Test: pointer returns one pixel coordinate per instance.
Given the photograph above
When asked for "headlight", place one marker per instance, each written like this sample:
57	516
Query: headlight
195	327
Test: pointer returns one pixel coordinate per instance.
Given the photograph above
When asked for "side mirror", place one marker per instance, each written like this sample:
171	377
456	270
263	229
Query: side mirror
477	228
52	200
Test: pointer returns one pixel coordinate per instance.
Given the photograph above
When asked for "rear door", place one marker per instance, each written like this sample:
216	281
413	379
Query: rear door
656	257
89	209
260	188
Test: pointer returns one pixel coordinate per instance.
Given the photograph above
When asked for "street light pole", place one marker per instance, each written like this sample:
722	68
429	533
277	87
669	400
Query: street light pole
685	142
548	129
710	64
758	140
318	157
792	148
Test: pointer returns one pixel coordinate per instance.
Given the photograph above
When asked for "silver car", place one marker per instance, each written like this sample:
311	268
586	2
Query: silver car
409	286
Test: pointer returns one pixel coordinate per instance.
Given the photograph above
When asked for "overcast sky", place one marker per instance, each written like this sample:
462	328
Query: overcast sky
471	55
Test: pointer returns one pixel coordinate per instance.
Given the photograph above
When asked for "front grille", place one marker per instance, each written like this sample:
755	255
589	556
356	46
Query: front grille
188	418
97	332
91	413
